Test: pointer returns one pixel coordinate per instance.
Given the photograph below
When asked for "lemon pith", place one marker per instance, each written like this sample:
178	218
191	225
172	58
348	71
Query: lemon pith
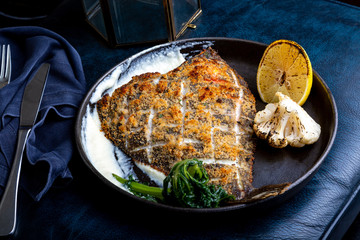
285	67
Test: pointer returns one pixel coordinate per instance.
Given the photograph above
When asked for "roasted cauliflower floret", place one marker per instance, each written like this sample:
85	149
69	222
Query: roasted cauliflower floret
286	123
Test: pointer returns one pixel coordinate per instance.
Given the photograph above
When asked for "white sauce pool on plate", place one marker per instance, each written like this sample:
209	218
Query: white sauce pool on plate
103	155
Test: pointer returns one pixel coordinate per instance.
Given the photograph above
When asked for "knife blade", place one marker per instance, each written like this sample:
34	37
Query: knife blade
28	113
32	97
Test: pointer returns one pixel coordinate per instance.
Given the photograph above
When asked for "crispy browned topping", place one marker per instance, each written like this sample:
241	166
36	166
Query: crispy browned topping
201	109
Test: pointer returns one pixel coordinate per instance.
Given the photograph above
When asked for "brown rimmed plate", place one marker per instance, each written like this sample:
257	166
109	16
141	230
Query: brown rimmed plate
272	166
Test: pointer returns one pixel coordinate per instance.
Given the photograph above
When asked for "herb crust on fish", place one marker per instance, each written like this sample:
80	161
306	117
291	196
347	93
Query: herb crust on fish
203	109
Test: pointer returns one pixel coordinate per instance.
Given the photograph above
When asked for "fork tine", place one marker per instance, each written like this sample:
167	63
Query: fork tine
8	64
2	61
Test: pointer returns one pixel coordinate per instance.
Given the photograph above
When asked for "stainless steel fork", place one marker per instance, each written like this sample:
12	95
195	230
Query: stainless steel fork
5	67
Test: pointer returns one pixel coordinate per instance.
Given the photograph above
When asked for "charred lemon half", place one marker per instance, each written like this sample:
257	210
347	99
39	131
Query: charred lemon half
284	67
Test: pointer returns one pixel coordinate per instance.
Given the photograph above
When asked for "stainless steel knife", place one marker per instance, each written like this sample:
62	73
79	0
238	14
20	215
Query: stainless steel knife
29	110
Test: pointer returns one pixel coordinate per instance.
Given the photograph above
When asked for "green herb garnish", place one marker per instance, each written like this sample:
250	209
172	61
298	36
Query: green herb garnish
141	190
185	186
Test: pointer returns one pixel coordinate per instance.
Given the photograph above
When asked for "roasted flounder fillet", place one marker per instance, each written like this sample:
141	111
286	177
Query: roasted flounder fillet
203	109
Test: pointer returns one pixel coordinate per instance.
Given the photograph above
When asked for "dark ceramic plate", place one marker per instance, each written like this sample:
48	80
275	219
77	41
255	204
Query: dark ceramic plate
272	166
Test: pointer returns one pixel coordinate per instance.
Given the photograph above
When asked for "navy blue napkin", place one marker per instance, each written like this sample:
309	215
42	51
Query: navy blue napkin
50	144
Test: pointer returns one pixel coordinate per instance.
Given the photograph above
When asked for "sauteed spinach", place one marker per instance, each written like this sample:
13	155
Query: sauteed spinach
185	186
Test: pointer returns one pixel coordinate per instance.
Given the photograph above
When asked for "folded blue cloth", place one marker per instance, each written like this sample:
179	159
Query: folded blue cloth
50	144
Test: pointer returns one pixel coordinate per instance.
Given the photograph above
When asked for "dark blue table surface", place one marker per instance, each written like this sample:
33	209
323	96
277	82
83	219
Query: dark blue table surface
325	208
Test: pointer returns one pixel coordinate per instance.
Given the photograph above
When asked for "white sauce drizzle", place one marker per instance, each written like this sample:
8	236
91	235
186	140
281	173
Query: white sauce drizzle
103	155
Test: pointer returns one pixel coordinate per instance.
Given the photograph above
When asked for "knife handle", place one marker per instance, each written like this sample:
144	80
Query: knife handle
8	204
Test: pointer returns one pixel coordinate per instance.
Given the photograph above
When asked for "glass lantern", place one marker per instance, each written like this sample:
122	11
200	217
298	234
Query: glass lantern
124	22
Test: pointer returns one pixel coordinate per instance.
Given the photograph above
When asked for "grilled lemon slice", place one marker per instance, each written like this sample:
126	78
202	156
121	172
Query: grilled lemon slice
285	67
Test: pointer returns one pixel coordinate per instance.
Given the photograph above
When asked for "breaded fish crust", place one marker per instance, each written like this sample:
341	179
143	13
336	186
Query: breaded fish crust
203	109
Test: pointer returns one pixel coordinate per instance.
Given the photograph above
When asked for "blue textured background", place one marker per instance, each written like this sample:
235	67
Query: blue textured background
330	33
